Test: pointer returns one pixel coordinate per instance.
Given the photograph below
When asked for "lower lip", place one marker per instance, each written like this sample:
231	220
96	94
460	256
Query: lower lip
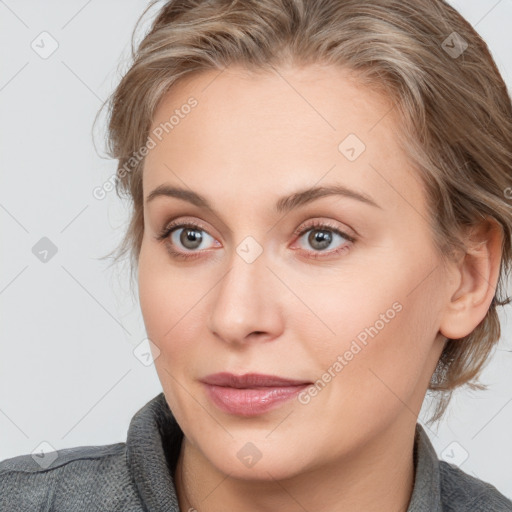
251	401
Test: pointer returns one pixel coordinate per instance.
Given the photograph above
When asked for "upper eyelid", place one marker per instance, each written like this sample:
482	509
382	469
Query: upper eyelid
317	207
180	224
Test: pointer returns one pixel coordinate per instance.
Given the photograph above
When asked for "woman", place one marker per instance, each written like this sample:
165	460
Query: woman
321	229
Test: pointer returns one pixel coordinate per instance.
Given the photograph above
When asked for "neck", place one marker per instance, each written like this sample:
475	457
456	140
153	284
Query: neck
378	478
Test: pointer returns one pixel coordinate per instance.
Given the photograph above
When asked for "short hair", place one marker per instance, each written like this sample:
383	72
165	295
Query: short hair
454	112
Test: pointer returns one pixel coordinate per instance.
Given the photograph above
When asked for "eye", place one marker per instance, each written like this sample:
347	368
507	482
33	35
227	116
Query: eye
188	235
323	236
192	239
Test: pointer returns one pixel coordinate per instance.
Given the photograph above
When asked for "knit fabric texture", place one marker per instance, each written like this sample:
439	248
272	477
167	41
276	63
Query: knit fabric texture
137	475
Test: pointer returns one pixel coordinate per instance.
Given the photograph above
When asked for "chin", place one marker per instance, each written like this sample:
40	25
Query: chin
262	460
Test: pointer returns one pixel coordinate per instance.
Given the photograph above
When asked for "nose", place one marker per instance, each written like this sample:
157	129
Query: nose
246	304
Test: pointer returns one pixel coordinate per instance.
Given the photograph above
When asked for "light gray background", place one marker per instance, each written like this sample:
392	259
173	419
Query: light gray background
68	374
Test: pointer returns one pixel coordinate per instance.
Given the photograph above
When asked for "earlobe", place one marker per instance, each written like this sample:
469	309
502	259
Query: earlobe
477	276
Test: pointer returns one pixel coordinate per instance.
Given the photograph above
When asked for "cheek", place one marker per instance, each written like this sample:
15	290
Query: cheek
373	332
171	311
172	306
163	296
366	382
158	296
385	358
343	310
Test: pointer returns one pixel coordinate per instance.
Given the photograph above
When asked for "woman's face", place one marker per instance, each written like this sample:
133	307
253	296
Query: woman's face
265	283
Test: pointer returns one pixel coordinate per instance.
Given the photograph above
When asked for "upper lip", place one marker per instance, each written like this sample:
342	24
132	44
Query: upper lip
250	380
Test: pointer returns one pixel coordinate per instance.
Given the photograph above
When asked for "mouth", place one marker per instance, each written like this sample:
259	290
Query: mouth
251	394
250	380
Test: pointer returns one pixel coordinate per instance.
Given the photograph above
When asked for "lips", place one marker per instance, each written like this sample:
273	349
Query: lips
250	380
250	394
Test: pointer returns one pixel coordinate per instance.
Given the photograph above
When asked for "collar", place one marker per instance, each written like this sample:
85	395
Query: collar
153	446
426	493
151	429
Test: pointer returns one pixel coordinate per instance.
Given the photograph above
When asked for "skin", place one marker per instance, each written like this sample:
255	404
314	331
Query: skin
251	139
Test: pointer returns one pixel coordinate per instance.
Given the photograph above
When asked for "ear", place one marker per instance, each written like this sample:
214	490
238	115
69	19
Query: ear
475	277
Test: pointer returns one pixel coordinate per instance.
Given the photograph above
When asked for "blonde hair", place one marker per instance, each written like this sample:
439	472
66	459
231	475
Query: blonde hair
454	109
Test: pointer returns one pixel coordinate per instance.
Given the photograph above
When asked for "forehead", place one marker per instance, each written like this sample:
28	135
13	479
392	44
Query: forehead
294	127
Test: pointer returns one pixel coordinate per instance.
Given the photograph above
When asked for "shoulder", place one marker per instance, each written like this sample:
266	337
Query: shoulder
61	479
462	492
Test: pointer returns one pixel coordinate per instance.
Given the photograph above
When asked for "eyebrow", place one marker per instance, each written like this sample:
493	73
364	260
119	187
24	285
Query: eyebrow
283	205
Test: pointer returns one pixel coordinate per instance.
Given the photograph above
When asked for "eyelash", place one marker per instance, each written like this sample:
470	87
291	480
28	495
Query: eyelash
315	225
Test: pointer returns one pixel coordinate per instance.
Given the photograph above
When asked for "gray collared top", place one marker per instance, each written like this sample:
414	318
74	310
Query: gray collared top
136	475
